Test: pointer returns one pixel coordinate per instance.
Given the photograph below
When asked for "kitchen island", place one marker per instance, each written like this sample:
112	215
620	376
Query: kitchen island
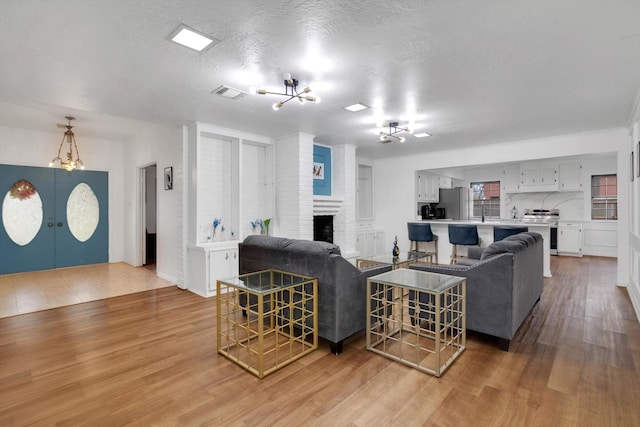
485	232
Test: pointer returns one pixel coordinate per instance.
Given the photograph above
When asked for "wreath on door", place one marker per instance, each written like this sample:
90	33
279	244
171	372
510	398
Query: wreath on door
22	190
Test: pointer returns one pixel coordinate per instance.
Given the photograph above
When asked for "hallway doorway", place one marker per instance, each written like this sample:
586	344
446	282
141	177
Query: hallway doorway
149	185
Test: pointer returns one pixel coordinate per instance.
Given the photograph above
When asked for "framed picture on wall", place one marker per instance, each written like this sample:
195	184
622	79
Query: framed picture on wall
168	178
318	170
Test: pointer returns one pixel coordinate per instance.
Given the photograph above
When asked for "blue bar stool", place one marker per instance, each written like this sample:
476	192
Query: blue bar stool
502	231
462	234
421	232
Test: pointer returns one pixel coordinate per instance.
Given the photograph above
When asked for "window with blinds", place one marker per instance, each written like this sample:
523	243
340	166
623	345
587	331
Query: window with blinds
604	197
486	199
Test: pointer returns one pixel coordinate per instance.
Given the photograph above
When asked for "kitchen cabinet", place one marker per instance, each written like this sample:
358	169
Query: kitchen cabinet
570	176
370	243
538	176
570	238
445	182
427	188
511	179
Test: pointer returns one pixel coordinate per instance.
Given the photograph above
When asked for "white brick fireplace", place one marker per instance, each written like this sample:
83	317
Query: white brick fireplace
296	205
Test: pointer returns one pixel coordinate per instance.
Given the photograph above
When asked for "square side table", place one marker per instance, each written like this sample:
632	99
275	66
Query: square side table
266	319
417	318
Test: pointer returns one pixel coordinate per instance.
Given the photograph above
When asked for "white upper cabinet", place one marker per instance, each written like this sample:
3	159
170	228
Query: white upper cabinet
445	182
570	176
538	176
427	188
511	179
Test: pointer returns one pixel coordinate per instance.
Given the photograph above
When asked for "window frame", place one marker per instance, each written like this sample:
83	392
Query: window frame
610	201
494	202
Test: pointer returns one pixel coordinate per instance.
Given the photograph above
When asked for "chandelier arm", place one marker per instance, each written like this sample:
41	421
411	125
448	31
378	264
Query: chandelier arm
76	147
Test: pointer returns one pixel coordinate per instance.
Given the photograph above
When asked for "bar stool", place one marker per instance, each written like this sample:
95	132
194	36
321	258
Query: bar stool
502	231
462	234
421	232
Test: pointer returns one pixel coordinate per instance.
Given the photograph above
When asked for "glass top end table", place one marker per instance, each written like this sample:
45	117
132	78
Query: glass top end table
267	319
402	261
417	318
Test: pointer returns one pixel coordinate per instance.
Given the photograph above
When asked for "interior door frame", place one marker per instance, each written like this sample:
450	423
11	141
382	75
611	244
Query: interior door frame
141	240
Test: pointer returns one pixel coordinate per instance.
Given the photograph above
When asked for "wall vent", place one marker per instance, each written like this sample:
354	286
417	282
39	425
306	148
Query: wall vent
229	92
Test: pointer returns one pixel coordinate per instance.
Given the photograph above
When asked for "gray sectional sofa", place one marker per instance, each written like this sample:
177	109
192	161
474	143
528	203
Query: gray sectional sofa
503	284
341	286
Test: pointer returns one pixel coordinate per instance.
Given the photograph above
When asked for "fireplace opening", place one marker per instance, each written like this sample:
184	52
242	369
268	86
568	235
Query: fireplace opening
323	228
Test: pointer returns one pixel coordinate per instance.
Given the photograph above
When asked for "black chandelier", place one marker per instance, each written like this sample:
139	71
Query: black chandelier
391	136
290	91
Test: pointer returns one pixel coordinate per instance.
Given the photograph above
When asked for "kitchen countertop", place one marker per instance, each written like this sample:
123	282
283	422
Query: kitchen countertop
487	222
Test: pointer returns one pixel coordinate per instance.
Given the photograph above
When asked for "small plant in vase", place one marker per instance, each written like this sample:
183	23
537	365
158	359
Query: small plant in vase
216	222
266	223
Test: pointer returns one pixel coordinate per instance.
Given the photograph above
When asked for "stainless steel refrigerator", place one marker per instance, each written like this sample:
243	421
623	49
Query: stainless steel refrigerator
456	202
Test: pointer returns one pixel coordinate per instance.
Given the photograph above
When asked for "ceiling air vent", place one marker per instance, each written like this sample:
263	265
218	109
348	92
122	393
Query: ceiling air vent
229	92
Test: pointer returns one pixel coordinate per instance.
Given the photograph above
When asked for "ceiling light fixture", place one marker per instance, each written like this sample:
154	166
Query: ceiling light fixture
391	136
356	107
192	39
70	164
291	92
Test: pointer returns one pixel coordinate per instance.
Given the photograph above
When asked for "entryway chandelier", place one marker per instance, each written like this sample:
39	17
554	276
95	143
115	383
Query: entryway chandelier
290	91
391	136
70	164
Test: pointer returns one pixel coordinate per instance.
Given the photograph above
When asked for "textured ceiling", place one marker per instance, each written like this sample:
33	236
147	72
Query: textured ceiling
469	72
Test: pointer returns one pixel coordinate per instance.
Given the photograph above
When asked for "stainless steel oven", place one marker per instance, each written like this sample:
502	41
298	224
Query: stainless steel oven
545	216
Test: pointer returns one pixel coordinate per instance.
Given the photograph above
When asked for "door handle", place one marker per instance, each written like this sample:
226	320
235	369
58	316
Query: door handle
59	224
50	224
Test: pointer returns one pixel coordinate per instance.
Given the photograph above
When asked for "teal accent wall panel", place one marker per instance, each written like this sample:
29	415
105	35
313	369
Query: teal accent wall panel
321	170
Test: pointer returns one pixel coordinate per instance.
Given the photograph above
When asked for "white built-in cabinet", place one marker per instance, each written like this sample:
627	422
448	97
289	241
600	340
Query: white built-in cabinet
538	176
427	188
210	263
229	175
370	243
570	176
364	200
570	238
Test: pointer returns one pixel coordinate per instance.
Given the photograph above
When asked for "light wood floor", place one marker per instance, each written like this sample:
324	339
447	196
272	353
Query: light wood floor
41	290
150	358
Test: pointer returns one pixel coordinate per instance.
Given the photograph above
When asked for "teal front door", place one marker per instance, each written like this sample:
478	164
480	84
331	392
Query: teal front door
51	219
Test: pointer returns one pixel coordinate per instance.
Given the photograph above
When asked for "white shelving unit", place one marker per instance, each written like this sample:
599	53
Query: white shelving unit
217	187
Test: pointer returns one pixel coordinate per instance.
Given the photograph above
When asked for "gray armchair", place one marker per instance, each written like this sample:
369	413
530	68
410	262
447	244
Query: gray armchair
341	286
503	285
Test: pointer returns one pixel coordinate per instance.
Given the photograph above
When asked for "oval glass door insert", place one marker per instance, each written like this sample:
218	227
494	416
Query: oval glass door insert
83	212
22	212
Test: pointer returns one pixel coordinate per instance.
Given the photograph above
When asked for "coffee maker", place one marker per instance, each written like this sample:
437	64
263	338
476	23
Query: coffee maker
428	211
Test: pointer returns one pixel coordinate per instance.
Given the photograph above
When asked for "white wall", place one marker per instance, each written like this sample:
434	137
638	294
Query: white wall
395	177
161	145
32	148
633	235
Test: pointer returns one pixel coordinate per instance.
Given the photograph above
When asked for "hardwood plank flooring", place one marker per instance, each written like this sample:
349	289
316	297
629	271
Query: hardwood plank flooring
150	358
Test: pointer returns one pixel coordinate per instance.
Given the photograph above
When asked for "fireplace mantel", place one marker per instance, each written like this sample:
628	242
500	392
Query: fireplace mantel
326	205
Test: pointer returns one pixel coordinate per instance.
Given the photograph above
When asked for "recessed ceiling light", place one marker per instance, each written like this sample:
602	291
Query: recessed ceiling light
229	92
356	107
421	135
192	39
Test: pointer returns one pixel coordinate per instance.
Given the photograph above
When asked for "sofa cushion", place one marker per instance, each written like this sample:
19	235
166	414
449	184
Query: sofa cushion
513	244
306	246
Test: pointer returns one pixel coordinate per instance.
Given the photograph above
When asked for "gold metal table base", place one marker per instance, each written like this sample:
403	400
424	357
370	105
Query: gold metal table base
266	320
